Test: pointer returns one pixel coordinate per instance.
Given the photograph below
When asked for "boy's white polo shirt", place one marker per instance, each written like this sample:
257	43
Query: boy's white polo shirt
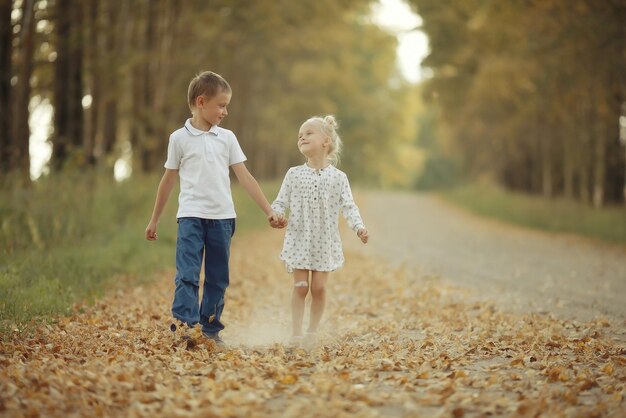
203	160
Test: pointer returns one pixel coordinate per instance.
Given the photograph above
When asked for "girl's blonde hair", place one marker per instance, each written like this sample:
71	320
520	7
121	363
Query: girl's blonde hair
328	126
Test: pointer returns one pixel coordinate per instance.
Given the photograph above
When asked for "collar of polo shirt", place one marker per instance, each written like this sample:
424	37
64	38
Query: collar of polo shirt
194	131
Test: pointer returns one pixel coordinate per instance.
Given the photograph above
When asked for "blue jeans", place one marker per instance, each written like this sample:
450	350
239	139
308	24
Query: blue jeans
198	237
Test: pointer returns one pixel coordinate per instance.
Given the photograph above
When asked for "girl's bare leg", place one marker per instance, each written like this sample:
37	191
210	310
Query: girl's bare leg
300	290
318	291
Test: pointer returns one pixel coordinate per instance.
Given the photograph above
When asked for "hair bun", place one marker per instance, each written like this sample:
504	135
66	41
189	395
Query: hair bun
330	120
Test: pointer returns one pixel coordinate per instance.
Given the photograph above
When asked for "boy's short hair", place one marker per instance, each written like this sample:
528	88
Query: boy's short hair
207	83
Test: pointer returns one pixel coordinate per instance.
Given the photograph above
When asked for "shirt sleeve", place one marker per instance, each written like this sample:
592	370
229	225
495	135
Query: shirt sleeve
281	204
235	153
349	209
174	155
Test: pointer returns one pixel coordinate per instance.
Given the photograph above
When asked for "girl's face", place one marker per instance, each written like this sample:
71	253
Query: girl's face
311	141
213	110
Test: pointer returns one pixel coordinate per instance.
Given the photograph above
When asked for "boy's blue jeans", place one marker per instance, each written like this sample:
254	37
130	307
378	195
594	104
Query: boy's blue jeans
198	237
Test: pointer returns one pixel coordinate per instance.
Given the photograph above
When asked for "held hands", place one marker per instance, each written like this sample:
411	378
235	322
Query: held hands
363	234
277	221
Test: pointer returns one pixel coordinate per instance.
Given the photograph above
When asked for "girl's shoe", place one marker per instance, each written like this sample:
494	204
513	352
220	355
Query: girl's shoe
296	341
309	340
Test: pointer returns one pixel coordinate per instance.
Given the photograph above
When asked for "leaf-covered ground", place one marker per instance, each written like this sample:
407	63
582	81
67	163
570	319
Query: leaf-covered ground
392	344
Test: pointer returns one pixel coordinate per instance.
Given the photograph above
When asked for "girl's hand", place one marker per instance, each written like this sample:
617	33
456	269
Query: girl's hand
277	221
363	234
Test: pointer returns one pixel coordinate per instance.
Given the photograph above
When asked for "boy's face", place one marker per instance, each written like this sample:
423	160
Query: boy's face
213	110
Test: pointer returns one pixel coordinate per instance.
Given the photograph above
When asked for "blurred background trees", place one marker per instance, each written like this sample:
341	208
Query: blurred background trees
524	92
116	75
529	91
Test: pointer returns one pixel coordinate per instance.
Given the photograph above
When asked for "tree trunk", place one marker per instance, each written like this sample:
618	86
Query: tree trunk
137	94
623	139
569	145
168	18
624	186
92	65
583	174
148	137
546	170
545	157
75	91
599	163
585	139
61	140
568	170
6	41
598	172
68	88
107	137
20	158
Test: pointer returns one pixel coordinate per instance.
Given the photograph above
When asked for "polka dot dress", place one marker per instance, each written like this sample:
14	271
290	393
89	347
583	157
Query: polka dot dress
314	199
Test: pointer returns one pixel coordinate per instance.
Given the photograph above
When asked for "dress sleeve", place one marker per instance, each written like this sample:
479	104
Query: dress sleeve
281	204
349	209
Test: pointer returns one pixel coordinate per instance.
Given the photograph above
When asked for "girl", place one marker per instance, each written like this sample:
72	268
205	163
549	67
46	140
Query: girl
314	193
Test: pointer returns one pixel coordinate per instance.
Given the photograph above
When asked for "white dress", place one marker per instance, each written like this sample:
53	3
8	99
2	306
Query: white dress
314	199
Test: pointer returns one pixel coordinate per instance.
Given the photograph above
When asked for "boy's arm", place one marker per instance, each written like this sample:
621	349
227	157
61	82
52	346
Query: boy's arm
168	181
252	187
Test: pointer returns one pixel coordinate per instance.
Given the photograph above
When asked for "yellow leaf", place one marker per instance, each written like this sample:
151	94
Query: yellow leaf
518	362
609	369
289	379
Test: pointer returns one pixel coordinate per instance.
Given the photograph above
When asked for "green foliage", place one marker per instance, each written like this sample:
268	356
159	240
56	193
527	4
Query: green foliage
301	59
555	215
439	172
285	61
69	238
66	209
440	168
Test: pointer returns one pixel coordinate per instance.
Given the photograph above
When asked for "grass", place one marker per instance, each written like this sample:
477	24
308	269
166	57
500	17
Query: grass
70	238
554	215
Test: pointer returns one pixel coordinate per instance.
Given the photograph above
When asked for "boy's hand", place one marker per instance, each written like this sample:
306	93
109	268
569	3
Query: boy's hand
151	232
363	234
277	221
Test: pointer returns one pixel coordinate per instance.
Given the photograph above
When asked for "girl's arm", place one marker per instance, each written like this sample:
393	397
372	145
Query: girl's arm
281	204
350	211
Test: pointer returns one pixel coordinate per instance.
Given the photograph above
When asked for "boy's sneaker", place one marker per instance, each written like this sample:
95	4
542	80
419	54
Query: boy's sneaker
215	337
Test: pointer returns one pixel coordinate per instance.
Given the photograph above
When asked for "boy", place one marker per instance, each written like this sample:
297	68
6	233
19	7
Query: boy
200	154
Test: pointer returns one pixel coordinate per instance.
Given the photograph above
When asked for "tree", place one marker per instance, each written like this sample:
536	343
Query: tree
531	90
20	159
6	71
68	85
286	61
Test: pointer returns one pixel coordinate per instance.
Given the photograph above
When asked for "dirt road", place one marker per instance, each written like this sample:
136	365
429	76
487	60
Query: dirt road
524	270
394	342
